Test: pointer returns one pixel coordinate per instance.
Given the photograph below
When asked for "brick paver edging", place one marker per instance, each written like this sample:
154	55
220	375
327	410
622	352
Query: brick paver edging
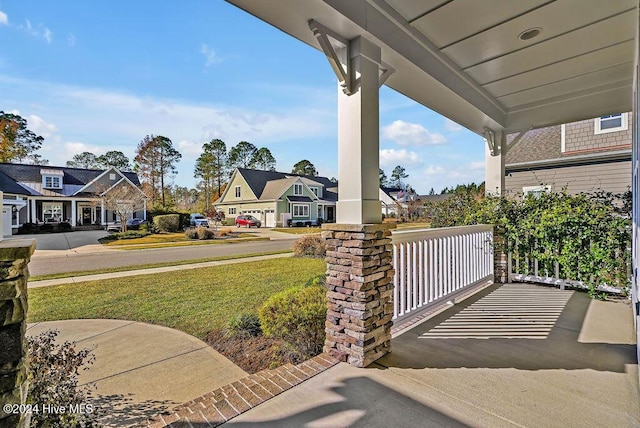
223	404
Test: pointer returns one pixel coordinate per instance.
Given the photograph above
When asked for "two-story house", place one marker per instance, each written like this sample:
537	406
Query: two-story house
276	197
51	194
585	156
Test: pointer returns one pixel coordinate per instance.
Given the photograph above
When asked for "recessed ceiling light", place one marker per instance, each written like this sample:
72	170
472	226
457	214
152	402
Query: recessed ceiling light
530	33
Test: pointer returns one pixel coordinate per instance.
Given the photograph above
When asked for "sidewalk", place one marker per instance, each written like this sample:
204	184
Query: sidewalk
150	271
142	369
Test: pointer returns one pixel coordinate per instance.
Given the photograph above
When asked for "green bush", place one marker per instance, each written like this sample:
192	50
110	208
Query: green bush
244	325
297	316
309	246
64	227
587	234
129	234
53	379
167	222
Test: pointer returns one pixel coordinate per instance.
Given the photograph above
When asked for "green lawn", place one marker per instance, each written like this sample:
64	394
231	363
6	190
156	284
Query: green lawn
194	301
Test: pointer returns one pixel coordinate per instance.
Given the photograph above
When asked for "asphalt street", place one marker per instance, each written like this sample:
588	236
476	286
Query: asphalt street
100	260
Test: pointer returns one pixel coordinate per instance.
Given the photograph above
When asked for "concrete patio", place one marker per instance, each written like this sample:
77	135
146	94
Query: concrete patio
511	355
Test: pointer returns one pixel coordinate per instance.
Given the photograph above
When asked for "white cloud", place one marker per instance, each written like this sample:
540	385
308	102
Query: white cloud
452	126
210	55
4	19
411	134
392	157
189	149
40	127
96	120
39	31
47	35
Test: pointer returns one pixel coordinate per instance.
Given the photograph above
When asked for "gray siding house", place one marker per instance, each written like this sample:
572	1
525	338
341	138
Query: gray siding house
585	156
52	194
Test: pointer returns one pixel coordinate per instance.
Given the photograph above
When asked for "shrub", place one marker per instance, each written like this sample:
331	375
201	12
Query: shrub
129	234
297	316
28	228
167	222
204	233
309	246
223	232
53	379
191	234
245	325
64	227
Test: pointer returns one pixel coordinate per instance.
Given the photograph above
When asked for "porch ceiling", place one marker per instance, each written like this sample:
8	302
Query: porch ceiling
465	59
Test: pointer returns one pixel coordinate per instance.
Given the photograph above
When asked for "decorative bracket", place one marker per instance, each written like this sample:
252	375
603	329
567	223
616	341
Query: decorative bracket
338	52
490	137
339	65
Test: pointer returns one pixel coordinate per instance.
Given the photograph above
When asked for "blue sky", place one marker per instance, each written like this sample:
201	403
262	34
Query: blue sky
100	75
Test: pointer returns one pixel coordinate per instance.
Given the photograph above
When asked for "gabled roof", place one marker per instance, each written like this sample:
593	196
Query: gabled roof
73	178
258	179
8	185
535	145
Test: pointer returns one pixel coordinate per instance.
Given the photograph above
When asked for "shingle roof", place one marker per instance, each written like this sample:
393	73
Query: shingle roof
535	145
8	185
32	174
258	179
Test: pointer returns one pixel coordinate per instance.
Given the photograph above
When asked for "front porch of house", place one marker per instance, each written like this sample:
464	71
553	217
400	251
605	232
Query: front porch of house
510	355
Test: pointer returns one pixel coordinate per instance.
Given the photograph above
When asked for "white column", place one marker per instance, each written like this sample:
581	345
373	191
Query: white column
34	212
103	215
493	172
74	214
144	209
358	139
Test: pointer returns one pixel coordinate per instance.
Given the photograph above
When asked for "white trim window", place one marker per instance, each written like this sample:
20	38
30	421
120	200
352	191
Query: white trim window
300	210
297	189
51	211
316	191
536	191
232	211
238	191
51	182
611	123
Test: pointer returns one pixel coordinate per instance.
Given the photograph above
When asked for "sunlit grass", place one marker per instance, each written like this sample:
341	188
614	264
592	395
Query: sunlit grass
194	301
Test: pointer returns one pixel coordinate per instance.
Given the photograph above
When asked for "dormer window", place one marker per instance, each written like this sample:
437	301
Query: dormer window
51	178
297	189
316	191
611	123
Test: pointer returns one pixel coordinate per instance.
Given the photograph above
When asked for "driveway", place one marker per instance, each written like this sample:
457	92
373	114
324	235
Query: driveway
64	241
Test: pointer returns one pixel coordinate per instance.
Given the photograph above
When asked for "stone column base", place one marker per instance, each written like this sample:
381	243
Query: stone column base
360	291
14	258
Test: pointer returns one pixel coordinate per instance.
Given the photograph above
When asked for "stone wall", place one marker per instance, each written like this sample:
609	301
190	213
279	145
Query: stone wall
14	258
360	292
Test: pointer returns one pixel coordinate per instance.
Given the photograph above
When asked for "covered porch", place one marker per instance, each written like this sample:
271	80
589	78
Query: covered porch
510	355
497	68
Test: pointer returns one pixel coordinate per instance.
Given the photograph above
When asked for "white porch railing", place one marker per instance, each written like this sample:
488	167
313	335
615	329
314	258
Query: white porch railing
525	267
436	264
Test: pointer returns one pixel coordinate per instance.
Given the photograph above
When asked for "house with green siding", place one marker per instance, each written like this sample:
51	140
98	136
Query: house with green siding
274	198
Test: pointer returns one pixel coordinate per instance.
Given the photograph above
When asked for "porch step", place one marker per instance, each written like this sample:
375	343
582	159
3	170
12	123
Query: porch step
223	404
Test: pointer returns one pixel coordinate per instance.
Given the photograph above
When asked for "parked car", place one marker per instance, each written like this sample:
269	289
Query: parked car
198	220
247	221
132	224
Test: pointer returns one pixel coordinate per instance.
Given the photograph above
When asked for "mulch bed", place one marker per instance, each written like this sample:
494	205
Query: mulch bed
250	353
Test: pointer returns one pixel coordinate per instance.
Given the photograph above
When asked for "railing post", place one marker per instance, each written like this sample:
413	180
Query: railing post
500	259
14	258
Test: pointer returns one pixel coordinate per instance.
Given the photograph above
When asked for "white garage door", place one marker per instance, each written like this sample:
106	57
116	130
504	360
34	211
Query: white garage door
270	219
